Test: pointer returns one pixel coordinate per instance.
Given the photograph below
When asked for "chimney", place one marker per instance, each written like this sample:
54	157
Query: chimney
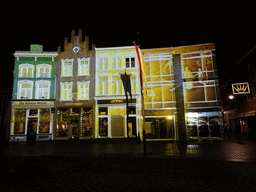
80	35
65	43
87	42
73	36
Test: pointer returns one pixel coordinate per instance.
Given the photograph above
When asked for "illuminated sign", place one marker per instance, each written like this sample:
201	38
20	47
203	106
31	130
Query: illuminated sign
241	88
114	101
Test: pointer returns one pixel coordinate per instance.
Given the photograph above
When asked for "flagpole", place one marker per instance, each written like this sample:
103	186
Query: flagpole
142	101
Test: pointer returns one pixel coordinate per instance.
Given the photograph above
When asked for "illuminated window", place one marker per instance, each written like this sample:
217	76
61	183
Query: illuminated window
83	90
67	67
20	121
103	63
26	70
103	86
197	65
43	70
66	91
83	66
117	63
44	120
43	89
130	62
25	89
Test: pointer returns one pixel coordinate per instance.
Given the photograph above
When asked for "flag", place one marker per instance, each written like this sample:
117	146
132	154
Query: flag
127	84
138	55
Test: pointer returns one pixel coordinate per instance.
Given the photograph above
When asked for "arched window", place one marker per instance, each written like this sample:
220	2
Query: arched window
42	89
43	71
25	89
26	70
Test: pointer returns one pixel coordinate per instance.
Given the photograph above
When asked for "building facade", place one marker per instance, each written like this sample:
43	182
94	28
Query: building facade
75	70
33	95
181	93
110	100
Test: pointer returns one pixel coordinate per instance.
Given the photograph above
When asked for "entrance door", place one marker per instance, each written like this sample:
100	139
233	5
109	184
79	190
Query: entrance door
132	126
74	126
32	127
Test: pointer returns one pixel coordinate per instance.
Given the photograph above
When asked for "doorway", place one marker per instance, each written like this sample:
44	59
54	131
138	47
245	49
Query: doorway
132	131
32	129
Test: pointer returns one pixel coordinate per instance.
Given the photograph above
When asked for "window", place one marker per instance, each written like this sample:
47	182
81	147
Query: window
66	91
117	86
103	86
44	120
43	89
83	90
83	66
103	63
43	70
20	121
26	70
67	67
25	89
130	62
197	65
117	63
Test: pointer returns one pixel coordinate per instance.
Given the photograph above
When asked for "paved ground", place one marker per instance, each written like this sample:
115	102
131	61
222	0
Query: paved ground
120	165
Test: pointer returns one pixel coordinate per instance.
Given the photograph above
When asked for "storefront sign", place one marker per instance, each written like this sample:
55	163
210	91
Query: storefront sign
114	101
26	103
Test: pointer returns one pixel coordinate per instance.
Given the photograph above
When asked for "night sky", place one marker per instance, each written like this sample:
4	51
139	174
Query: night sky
232	29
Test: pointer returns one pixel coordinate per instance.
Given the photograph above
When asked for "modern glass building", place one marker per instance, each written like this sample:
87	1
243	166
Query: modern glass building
181	93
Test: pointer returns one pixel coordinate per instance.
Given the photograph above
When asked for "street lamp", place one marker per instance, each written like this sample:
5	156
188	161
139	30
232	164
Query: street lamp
231	97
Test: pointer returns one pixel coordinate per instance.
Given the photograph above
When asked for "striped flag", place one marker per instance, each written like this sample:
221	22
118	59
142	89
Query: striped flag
138	55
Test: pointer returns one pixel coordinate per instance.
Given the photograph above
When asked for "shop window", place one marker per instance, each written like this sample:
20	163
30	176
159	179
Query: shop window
62	122
20	121
44	120
103	111
103	126
86	128
33	112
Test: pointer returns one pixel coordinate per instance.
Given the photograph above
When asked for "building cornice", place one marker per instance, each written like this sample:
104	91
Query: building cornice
28	54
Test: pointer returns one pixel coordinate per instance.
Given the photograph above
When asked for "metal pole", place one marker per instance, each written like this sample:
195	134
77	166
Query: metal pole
143	123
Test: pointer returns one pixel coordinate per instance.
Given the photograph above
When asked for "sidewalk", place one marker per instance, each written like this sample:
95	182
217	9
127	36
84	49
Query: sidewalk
227	150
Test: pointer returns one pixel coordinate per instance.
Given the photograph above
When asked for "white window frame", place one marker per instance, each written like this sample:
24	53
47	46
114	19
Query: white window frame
118	83
63	69
117	59
104	59
38	89
84	83
62	84
80	60
27	66
43	75
20	83
103	85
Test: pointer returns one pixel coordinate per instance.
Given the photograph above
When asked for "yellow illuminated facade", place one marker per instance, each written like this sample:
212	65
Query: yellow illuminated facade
181	93
110	100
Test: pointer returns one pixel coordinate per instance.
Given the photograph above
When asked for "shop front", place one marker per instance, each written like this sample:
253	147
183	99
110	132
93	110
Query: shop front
111	118
32	120
160	125
204	125
74	121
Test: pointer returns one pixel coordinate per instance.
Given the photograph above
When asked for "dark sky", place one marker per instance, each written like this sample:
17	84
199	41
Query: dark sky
232	29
